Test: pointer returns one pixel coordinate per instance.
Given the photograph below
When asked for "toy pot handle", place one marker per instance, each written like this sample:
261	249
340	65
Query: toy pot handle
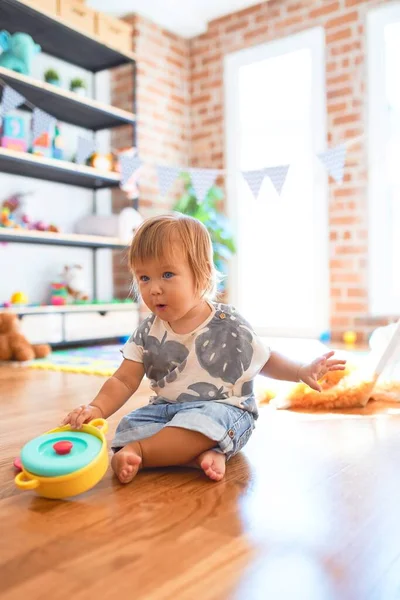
101	424
25	484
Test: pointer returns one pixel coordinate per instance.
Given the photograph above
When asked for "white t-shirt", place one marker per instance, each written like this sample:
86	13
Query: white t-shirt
217	361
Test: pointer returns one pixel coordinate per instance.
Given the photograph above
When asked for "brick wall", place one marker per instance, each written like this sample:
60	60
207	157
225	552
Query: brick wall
163	108
200	61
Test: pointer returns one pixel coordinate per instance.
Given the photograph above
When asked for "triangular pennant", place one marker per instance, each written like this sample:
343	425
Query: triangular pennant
333	160
42	122
129	164
10	100
254	180
85	149
166	177
278	176
202	180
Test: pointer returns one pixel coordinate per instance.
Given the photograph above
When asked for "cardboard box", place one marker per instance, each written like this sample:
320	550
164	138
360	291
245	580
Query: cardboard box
114	32
77	14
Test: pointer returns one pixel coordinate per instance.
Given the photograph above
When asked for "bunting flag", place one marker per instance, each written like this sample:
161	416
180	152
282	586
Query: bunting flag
202	180
42	122
166	177
254	180
10	100
277	176
129	164
334	160
85	149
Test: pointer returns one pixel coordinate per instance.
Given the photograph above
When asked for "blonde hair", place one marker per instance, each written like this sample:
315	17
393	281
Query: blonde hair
157	237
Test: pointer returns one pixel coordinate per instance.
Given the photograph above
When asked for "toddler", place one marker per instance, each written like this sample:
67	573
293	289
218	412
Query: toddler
201	358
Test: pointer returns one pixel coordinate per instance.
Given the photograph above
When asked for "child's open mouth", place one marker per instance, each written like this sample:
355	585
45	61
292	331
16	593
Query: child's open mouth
161	306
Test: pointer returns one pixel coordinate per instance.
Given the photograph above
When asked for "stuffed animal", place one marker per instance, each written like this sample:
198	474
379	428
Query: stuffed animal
76	284
14	345
18	51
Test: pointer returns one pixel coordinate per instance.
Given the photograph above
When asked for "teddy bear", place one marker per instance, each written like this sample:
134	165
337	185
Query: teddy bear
14	345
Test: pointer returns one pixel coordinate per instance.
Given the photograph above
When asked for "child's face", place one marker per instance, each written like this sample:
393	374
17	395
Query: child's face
167	286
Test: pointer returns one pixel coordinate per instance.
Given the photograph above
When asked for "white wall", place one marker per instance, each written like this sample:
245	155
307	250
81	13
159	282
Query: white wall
31	268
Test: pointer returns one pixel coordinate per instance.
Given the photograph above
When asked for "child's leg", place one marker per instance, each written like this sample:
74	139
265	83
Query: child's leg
171	446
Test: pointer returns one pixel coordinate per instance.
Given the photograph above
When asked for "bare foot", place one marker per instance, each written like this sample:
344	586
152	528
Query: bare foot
126	463
213	464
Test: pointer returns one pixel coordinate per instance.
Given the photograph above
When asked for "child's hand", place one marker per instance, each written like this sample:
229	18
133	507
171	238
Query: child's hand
82	414
311	373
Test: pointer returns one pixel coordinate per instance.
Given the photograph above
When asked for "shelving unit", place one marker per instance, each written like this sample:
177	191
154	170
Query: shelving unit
57	38
22	236
67	106
59	171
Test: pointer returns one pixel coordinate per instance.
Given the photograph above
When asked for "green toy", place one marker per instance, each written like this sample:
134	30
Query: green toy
18	51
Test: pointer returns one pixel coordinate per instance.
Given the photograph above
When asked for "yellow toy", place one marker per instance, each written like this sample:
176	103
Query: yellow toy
64	462
19	298
350	337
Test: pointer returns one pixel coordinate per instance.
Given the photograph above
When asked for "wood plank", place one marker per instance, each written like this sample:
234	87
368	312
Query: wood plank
65	105
60	39
308	510
60	171
59	239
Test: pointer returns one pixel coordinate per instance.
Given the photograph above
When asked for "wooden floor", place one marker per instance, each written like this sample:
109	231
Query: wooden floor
310	510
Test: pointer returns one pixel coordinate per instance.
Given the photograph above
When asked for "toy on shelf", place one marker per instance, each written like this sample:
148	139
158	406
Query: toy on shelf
76	283
59	294
14	345
102	162
19	298
18	51
349	338
12	215
64	462
58	143
13	134
42	146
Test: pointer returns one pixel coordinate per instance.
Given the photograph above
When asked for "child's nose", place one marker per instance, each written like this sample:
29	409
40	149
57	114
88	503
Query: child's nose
155	288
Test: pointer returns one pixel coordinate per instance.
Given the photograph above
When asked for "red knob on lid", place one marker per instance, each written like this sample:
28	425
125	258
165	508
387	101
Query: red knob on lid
63	447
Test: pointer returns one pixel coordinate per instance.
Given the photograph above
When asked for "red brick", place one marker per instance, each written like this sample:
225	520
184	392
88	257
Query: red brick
325	9
342	34
350	17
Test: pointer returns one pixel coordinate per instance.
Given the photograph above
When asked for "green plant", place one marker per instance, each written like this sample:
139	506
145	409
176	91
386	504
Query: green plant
77	83
51	75
217	224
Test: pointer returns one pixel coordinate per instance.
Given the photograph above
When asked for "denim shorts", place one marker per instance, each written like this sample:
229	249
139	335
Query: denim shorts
229	426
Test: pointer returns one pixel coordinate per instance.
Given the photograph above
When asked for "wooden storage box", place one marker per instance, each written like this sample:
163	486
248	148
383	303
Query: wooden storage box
76	14
48	6
114	32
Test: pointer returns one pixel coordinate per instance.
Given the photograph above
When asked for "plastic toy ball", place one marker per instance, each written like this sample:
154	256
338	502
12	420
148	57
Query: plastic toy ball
350	337
325	336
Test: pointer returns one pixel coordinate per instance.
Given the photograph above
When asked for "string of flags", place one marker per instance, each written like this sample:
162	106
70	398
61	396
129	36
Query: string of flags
202	179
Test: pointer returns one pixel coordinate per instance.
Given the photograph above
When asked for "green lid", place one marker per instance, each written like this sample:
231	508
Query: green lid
40	458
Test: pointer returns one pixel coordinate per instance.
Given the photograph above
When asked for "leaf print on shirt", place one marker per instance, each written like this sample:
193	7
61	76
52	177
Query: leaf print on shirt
247	388
205	391
225	348
139	336
160	358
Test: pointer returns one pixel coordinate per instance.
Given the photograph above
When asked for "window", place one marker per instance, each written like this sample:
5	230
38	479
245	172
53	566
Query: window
383	159
275	114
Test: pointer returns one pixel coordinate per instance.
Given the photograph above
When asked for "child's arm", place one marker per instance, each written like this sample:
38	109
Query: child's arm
115	392
281	367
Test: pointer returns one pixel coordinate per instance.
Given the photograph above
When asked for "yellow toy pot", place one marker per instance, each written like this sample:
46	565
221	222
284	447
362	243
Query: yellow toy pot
65	462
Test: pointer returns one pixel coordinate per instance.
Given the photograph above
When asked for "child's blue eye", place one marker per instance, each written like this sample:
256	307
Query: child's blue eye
168	275
144	278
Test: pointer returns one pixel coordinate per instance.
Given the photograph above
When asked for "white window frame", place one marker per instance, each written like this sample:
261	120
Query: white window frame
313	39
380	275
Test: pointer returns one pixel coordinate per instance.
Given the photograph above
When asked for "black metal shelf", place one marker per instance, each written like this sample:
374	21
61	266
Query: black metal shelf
67	106
59	171
59	39
23	236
